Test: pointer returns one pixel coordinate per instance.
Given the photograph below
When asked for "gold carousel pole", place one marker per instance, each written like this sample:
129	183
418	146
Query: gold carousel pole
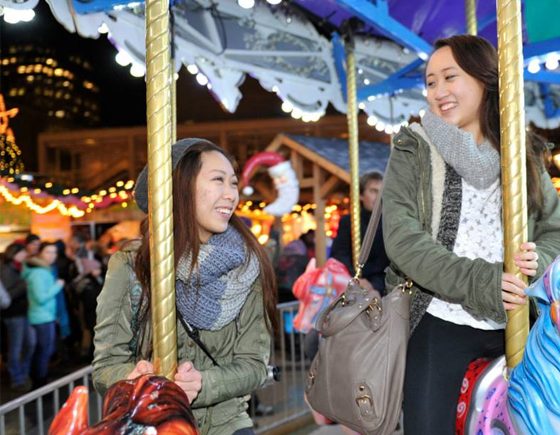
159	79
173	79
352	117
512	125
470	13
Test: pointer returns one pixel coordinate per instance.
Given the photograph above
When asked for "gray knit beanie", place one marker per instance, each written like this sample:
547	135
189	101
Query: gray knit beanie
177	151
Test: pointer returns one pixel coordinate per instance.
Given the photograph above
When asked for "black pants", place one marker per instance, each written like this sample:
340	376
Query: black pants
246	431
438	355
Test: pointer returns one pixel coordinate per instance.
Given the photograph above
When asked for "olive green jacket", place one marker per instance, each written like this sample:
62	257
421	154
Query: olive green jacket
410	203
241	348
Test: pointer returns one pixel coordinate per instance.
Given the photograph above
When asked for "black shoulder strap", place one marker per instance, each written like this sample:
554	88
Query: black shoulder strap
194	335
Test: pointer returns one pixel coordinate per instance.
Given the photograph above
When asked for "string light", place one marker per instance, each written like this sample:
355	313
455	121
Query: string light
72	211
122	195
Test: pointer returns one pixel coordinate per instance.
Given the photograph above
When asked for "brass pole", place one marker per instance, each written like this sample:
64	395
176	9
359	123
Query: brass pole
173	80
512	125
470	13
159	77
352	117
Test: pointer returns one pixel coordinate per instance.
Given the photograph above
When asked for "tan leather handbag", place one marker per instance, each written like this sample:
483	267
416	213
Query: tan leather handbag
357	377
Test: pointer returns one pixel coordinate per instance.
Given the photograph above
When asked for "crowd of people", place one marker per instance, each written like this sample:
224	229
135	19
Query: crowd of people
53	288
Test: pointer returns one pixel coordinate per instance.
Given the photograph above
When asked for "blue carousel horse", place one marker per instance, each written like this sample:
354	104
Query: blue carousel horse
530	402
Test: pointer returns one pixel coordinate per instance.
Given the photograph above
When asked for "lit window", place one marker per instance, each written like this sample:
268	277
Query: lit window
59	113
58	72
21	69
49	61
30	78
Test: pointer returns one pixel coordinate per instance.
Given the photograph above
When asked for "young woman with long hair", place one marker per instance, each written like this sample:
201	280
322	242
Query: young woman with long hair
442	224
224	286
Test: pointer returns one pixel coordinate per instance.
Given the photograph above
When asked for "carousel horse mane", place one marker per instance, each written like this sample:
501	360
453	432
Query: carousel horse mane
534	387
145	405
528	403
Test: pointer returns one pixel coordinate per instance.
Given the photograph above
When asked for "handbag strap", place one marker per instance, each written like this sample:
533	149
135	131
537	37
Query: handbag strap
370	235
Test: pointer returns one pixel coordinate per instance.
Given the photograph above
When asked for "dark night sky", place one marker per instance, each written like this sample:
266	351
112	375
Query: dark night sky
122	96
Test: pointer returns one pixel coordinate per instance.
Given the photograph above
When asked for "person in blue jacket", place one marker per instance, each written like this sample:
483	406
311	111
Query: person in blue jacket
42	290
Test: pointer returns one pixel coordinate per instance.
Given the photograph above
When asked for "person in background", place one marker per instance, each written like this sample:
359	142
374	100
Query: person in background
442	210
32	243
373	273
20	335
224	287
88	288
42	290
292	262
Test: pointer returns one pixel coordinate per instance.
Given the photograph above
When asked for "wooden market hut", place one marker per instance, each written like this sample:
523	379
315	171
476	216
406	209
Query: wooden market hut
322	168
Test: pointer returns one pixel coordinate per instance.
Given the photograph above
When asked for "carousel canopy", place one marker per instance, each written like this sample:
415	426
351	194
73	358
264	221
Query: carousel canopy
295	48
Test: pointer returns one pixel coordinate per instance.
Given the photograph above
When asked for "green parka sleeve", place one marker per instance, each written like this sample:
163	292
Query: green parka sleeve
113	359
545	229
250	355
475	284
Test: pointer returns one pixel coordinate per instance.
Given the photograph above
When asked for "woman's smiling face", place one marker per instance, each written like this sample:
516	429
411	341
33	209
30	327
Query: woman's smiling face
453	94
217	194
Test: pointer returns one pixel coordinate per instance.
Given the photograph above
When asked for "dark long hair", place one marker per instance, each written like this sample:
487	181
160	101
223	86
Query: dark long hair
478	58
11	251
186	236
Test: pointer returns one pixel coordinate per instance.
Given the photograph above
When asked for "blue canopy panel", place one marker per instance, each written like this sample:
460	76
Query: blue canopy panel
92	6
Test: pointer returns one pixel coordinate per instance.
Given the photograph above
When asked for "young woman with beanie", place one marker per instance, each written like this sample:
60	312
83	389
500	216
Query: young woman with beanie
224	289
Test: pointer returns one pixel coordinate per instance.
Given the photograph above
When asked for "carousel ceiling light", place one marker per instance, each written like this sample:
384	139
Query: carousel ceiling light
103	28
287	106
552	61
296	113
192	68
201	79
534	66
123	59
380	126
421	113
14	16
372	120
246	4
274	2
137	70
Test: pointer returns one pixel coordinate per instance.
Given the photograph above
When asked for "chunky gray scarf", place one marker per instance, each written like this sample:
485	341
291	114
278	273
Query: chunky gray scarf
478	165
213	295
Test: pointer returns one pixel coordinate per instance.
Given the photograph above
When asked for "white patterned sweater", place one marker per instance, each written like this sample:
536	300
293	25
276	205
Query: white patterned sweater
479	235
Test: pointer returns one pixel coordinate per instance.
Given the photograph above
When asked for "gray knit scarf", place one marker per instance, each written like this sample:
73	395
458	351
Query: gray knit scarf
478	165
212	296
